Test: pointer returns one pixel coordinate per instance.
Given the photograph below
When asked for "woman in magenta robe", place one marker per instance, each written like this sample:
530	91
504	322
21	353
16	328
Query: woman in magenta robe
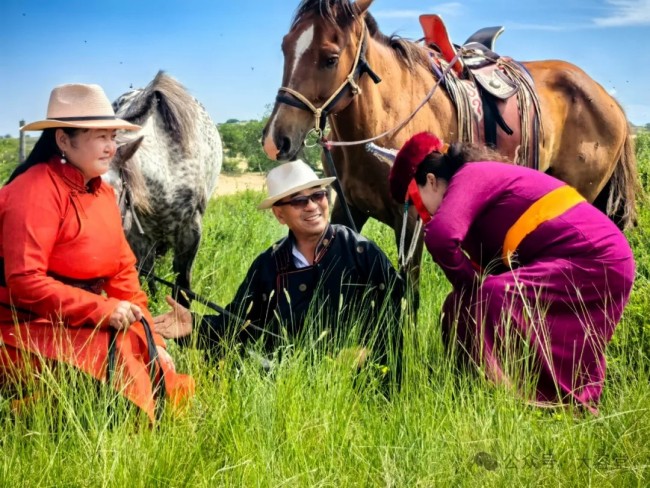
533	267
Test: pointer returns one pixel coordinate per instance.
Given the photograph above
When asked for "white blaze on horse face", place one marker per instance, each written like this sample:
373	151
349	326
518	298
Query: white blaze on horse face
302	44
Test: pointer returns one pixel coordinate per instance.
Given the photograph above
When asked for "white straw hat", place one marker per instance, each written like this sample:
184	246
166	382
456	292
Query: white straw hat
81	106
290	178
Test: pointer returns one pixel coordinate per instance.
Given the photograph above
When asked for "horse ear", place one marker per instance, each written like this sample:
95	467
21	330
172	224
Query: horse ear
126	151
386	155
362	6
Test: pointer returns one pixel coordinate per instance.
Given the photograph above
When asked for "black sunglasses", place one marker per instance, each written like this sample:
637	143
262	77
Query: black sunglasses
303	200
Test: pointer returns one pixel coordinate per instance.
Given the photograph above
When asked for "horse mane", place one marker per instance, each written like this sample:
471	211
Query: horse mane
134	178
176	107
341	13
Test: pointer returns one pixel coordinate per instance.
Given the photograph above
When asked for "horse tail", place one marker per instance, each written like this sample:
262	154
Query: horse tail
618	198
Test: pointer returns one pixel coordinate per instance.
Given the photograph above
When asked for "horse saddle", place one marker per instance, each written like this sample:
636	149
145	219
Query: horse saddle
483	86
481	42
476	53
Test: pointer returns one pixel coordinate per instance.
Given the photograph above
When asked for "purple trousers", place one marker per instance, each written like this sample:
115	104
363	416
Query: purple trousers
561	313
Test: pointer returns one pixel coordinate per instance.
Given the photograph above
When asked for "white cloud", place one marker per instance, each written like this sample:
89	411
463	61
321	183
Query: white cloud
612	91
619	13
626	13
450	9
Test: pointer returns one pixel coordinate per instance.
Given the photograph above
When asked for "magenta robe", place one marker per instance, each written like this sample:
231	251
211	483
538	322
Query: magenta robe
575	272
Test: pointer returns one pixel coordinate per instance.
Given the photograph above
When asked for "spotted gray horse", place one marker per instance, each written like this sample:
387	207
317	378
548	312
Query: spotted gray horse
165	173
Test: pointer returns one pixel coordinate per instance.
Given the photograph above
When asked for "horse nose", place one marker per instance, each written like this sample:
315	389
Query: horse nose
284	148
278	145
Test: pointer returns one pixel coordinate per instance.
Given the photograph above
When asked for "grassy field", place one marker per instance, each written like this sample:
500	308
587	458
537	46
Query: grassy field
315	423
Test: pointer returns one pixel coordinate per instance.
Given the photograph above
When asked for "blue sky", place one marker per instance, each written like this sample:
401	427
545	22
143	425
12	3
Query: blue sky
227	53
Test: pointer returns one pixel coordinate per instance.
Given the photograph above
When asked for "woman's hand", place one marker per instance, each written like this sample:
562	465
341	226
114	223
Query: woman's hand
165	358
124	315
174	324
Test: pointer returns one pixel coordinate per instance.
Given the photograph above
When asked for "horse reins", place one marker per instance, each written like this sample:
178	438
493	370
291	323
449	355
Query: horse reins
242	323
156	373
442	75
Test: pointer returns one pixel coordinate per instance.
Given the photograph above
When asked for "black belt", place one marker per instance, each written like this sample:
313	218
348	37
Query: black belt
93	285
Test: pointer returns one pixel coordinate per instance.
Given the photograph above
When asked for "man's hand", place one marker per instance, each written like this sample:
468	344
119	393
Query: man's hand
124	315
174	324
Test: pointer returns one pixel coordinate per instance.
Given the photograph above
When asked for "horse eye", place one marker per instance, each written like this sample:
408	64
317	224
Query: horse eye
331	62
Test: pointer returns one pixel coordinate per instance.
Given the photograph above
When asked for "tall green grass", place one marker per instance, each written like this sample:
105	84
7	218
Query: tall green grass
317	422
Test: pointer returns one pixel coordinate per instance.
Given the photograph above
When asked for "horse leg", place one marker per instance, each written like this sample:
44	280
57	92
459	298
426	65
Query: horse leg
340	217
185	250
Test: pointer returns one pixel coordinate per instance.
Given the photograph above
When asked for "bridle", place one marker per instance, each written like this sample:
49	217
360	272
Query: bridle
125	203
298	100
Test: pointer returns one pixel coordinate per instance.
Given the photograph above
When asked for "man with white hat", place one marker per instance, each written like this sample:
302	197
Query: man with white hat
322	271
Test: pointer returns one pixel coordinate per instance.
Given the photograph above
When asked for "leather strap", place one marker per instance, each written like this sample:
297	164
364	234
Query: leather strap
156	373
551	205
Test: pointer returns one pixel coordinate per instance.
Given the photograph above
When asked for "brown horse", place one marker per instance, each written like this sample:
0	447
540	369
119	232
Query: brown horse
332	43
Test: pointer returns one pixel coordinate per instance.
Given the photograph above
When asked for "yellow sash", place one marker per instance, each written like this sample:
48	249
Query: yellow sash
551	205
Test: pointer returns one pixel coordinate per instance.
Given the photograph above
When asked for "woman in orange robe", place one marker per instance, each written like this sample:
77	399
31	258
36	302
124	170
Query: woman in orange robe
68	283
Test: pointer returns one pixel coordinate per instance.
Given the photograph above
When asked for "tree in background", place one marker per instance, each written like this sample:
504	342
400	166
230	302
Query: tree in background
242	143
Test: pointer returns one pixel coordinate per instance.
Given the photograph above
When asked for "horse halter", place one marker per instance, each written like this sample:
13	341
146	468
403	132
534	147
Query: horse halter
359	67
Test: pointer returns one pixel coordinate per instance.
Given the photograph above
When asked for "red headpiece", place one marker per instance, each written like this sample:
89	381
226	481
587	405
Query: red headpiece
407	161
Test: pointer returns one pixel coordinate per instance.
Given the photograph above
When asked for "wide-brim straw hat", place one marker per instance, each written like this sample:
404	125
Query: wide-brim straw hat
290	178
407	161
81	106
